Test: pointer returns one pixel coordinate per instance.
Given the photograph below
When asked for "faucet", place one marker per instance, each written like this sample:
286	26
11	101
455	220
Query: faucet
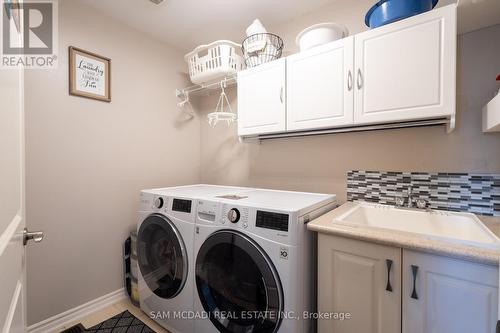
420	203
410	197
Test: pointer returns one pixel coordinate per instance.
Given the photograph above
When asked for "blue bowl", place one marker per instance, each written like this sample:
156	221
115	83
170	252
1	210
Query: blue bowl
387	11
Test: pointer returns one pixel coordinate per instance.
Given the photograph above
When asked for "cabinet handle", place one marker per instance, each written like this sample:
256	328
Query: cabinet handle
360	79
389	266
281	95
349	81
414	271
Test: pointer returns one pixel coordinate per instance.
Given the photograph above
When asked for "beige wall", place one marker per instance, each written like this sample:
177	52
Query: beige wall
320	163
87	160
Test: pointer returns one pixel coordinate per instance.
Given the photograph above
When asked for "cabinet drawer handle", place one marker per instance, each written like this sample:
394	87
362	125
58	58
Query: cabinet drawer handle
349	81
414	271
360	79
389	266
281	95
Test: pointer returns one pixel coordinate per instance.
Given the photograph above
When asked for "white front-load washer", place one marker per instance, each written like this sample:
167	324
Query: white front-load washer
165	240
255	261
164	248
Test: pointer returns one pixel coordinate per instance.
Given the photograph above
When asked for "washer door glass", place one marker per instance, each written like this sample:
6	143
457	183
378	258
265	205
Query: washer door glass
162	256
238	285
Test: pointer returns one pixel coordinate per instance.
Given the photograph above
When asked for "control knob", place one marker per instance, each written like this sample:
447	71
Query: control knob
158	202
233	215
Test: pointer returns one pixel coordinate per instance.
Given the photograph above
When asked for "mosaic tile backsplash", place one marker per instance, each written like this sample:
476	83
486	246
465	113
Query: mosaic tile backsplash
465	192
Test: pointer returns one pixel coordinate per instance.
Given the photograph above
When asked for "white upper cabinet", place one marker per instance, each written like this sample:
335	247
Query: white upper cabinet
401	72
261	99
406	70
320	86
448	296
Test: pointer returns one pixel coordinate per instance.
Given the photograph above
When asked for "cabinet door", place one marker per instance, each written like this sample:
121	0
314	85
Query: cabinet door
320	86
261	99
406	70
353	277
450	296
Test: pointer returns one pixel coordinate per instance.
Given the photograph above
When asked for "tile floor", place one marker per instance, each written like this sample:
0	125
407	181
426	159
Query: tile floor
101	315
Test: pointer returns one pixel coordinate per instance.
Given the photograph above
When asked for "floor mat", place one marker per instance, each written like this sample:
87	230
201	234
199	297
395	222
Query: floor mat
124	322
74	329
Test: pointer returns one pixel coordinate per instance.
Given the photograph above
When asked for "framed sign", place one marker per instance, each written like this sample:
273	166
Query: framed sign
89	75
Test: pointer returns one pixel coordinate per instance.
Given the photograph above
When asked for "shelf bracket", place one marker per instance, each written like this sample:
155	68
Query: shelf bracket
450	126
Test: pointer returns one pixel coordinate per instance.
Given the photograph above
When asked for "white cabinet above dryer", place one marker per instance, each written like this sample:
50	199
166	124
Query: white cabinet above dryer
320	86
406	70
261	99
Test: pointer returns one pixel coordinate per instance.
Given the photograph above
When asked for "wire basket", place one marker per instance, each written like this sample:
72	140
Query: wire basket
261	48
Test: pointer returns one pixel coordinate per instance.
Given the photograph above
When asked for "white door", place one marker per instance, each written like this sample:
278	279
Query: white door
261	99
360	278
320	86
406	70
445	295
12	208
12	270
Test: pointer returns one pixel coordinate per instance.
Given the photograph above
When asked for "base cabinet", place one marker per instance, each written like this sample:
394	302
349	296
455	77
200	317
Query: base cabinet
354	277
450	296
415	293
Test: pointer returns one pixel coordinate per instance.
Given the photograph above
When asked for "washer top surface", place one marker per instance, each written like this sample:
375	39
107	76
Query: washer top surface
282	200
252	197
199	191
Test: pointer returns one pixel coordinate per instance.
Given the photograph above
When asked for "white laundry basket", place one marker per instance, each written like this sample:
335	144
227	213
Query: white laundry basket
219	59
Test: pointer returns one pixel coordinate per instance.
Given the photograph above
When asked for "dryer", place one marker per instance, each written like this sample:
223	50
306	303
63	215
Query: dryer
255	261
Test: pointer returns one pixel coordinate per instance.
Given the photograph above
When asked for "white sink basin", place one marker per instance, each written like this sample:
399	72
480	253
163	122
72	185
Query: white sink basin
463	228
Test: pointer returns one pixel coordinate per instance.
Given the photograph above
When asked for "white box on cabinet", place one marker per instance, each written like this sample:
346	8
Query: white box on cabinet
491	115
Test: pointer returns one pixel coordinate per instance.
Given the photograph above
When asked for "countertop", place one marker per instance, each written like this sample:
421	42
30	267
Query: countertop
411	241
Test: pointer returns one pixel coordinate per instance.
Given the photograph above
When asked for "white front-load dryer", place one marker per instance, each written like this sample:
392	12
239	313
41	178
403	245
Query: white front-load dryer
255	263
164	250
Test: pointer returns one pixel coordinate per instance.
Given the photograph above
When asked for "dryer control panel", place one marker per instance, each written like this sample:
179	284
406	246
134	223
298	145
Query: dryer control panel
235	215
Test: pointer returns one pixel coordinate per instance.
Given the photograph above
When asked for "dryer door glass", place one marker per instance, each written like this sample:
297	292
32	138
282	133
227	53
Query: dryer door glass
162	256
238	285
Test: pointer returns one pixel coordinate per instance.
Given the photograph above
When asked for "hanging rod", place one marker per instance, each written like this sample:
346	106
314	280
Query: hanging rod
363	128
199	88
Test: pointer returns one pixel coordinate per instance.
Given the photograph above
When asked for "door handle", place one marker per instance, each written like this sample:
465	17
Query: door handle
414	272
359	79
36	236
349	81
281	95
388	287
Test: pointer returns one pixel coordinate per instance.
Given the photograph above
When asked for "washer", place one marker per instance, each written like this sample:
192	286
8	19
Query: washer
255	261
165	240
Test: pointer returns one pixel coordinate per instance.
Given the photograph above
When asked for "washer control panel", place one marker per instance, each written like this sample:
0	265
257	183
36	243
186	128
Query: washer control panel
207	210
235	215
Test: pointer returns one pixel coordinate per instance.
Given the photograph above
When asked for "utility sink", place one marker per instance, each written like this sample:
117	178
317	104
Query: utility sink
462	228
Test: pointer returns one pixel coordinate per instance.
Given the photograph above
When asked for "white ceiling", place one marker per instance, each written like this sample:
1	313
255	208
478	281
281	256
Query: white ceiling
185	24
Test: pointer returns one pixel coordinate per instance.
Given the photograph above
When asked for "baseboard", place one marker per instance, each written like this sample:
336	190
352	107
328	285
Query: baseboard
73	315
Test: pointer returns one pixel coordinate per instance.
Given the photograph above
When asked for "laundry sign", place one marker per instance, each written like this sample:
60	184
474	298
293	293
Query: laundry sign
89	75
